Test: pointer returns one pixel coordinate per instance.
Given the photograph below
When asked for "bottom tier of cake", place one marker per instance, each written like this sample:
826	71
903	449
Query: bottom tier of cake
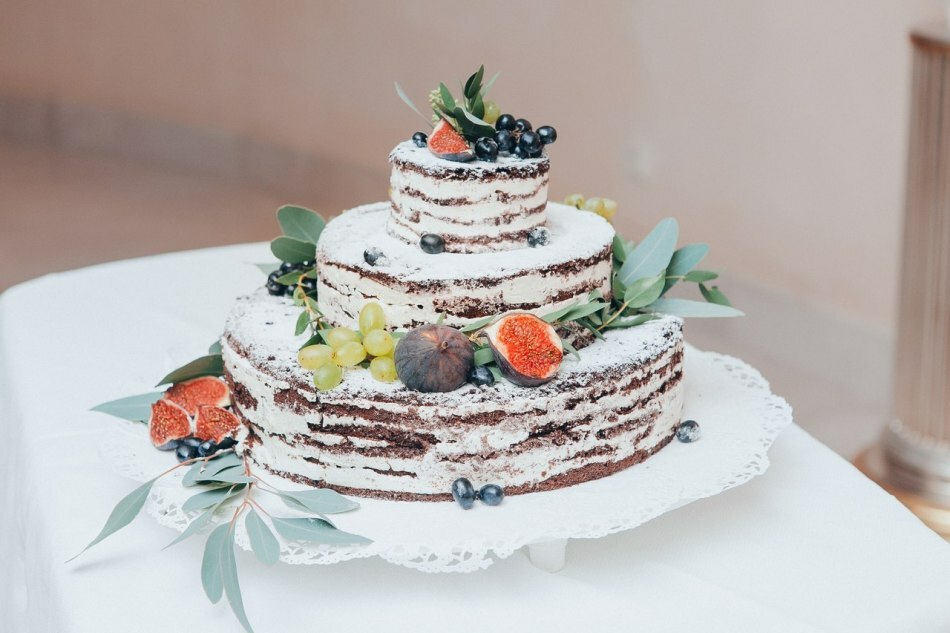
616	405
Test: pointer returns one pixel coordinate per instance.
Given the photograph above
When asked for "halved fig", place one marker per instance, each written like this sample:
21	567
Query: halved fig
446	143
168	424
191	394
434	358
215	423
527	349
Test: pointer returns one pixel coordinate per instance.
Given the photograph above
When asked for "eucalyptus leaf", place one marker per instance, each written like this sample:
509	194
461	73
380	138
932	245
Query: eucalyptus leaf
490	83
714	295
581	311
474	84
267	269
202	471
477	325
300	223
211	580
478	107
232	476
303	321
263	542
651	256
215	348
232	587
316	339
315	531
210	497
402	95
632	321
446	95
496	373
484	356
210	365
133	408
700	276
289	249
619	248
195	526
123	513
683	261
472	126
689	308
570	349
643	291
322	500
290	279
555	316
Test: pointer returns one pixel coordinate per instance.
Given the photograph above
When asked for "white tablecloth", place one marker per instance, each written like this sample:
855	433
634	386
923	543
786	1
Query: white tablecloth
810	546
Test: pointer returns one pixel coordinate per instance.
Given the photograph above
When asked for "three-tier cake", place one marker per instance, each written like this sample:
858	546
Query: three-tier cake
503	248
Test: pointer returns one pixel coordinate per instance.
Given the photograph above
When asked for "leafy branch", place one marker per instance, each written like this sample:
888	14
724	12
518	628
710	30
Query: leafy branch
225	479
465	113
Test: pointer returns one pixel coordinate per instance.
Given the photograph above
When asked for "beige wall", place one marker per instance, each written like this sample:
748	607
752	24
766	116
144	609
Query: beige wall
773	129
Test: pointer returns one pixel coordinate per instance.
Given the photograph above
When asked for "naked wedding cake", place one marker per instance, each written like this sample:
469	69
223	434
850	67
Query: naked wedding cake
465	329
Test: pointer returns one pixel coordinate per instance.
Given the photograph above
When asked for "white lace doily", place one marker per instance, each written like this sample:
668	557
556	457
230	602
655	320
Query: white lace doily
738	415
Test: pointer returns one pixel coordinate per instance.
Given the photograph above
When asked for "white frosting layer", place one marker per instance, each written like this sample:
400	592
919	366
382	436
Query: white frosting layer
623	395
415	287
481	207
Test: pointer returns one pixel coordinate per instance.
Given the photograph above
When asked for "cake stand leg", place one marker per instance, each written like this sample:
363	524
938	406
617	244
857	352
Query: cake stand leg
548	555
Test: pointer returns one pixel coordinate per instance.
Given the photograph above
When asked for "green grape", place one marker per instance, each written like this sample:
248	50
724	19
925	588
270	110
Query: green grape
349	354
379	343
383	369
595	204
314	356
327	377
492	112
372	318
575	200
340	336
610	209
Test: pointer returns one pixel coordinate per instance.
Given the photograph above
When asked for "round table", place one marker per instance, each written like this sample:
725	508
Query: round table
812	545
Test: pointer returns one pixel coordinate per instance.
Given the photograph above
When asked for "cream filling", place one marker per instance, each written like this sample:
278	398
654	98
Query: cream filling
350	291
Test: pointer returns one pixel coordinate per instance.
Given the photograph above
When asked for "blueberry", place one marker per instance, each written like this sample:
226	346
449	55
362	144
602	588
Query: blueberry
688	431
206	448
463	492
432	243
373	256
227	443
420	139
273	286
481	376
486	149
305	264
548	134
286	267
308	284
191	441
529	143
505	140
517	152
523	125
289	290
186	452
491	494
538	236
505	122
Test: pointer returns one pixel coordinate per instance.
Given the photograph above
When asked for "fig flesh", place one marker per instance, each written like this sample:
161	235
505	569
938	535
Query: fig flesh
206	390
448	144
215	423
527	349
168	424
434	358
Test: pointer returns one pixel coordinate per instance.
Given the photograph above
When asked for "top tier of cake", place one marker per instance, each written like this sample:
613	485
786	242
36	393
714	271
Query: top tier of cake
475	207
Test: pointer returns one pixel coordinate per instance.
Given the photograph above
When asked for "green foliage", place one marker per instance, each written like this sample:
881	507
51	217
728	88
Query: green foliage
133	408
464	113
209	365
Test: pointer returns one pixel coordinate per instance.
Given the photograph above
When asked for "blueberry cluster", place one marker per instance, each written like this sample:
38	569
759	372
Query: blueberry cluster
191	447
514	137
688	431
465	494
278	289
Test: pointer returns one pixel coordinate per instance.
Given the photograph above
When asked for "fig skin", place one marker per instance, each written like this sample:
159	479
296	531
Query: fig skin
501	350
434	358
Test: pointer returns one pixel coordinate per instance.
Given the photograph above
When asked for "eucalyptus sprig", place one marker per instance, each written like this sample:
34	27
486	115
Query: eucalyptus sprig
465	113
224	481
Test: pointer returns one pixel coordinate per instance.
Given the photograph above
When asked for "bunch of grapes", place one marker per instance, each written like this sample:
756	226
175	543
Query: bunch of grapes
604	207
349	348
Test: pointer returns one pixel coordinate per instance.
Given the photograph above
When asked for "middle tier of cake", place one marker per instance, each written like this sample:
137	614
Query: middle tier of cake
415	287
